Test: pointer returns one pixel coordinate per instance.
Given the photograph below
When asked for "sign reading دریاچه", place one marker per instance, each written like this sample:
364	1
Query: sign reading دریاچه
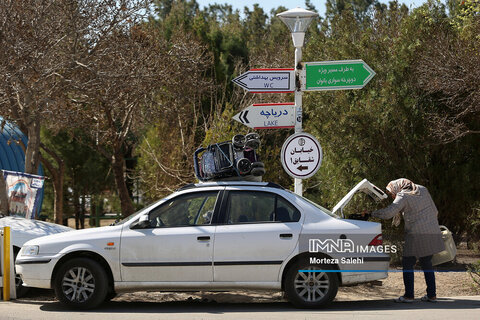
301	155
268	116
335	75
267	80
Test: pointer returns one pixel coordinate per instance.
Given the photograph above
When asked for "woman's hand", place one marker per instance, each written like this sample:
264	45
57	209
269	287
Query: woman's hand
366	215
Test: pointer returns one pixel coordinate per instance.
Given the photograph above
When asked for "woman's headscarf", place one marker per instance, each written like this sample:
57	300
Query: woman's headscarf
405	186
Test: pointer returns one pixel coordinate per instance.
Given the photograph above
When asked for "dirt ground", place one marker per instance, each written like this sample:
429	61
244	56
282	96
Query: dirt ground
449	284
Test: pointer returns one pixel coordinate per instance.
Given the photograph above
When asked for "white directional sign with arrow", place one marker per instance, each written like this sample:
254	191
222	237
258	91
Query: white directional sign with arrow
267	80
301	155
268	116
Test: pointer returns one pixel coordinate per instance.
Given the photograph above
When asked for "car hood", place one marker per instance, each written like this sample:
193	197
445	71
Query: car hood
78	235
364	186
28	228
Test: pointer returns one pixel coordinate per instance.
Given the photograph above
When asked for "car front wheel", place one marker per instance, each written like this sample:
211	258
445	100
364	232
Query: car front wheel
81	283
309	286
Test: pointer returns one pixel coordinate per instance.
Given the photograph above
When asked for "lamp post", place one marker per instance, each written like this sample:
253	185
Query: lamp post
297	21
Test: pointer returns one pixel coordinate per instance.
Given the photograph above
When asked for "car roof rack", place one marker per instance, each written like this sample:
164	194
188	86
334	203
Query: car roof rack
229	184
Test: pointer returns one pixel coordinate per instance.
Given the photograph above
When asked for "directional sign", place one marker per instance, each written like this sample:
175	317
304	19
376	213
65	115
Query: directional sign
301	155
335	75
267	80
268	116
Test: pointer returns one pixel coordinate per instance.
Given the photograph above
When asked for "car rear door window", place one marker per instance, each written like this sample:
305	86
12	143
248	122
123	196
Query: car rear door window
259	207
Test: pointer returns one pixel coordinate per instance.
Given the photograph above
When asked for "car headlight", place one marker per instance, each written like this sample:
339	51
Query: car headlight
29	251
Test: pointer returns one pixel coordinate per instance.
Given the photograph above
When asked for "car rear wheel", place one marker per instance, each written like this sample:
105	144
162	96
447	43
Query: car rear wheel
81	283
308	286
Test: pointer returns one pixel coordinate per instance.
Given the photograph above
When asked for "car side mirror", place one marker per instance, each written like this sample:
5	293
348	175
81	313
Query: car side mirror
142	223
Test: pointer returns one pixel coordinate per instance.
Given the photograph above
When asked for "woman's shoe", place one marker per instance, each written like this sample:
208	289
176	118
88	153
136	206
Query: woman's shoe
427	299
402	299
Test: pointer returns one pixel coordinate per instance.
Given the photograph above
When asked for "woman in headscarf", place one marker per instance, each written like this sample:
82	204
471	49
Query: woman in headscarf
422	232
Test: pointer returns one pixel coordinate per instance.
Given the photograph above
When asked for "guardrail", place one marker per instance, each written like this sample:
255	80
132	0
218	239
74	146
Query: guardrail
7	267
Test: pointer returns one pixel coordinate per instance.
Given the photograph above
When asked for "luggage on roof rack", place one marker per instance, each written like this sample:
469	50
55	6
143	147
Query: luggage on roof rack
227	161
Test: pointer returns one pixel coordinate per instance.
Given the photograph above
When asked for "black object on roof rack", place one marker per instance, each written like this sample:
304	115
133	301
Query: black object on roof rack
235	160
231	183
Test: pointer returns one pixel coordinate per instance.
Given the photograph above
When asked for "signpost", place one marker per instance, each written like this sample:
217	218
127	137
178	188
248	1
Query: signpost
301	155
267	80
268	116
335	75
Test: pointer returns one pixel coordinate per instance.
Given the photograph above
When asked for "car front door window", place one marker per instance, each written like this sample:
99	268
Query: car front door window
186	210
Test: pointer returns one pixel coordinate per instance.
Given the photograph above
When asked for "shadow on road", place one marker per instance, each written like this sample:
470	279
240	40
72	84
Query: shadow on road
226	308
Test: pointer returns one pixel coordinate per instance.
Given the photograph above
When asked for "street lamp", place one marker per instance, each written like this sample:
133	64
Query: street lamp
297	21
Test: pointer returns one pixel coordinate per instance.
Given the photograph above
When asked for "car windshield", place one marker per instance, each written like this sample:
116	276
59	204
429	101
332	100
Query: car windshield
133	215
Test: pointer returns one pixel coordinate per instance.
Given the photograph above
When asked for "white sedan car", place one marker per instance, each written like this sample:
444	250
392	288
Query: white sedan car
213	236
23	230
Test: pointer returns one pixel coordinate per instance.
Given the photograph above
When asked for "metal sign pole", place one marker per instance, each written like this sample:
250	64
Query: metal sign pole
298	187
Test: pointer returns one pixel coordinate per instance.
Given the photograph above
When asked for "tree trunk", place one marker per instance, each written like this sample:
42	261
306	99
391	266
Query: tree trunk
32	154
76	205
58	191
58	176
93	211
118	165
82	213
3	196
130	163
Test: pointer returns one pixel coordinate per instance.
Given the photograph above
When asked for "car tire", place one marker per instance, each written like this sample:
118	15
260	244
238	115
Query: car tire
21	291
81	283
310	289
110	295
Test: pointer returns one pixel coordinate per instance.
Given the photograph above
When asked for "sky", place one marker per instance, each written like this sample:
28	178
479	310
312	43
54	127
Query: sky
267	5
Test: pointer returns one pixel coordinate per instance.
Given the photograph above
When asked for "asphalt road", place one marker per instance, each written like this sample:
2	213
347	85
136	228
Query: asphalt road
463	308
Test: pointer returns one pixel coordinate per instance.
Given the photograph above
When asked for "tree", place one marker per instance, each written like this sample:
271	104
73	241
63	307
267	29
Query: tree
31	63
382	132
33	68
448	74
43	47
132	80
360	8
87	173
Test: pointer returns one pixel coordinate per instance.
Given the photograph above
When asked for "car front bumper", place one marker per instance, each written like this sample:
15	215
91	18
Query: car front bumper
36	271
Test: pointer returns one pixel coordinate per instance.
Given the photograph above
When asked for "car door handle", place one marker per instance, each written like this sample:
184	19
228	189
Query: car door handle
286	235
203	238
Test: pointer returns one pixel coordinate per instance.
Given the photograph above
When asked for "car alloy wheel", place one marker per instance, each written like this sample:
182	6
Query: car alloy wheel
78	284
81	283
311	286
